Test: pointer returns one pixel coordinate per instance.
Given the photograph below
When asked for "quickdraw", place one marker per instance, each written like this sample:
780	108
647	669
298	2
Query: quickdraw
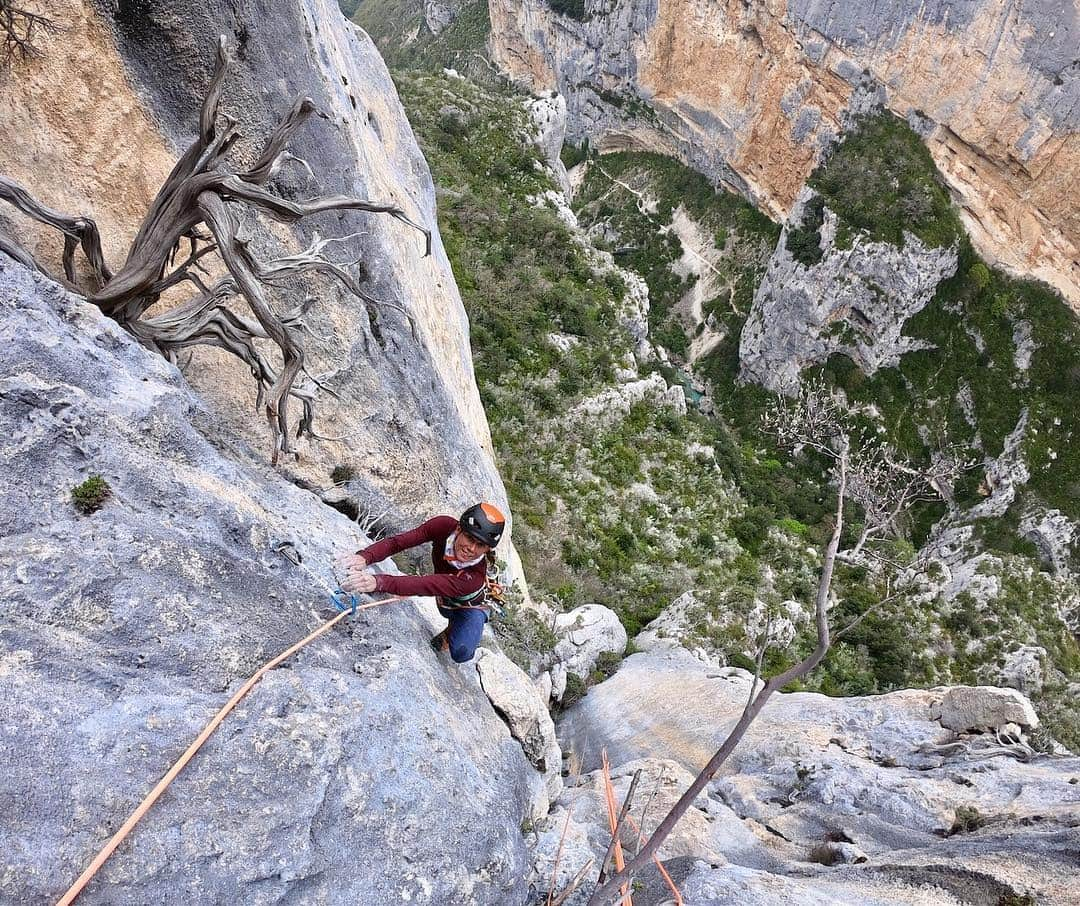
343	602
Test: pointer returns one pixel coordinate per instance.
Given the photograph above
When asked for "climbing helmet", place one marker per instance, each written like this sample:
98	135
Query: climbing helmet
484	523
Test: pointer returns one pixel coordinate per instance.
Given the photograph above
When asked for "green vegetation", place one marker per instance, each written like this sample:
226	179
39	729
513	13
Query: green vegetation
575	9
522	635
343	473
522	276
398	29
90	495
804	240
882	180
636	505
634	195
967	819
969	388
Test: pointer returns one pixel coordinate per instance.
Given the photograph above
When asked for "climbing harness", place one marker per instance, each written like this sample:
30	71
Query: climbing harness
345	608
490	596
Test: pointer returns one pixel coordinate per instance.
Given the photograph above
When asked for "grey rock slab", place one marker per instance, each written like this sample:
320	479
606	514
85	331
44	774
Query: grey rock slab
363	770
813	769
983	707
517	700
854	300
585	633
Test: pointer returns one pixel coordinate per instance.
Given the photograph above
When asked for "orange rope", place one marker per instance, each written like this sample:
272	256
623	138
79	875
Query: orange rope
163	784
612	810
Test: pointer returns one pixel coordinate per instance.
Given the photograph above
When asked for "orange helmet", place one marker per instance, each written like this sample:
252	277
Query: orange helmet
484	523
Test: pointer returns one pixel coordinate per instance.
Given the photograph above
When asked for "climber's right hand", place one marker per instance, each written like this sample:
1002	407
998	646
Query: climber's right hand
345	564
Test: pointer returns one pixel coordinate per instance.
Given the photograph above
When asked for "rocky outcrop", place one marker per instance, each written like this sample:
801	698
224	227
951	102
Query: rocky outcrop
854	300
548	114
518	701
614	403
826	800
101	116
1023	669
978	708
585	633
124	631
440	14
750	93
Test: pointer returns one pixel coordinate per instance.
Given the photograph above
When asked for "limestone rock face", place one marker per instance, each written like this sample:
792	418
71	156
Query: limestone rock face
1023	669
548	113
585	632
440	14
874	784
364	770
855	300
518	701
983	707
751	92
102	116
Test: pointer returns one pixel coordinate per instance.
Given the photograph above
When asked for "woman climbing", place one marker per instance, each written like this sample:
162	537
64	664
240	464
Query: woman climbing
459	552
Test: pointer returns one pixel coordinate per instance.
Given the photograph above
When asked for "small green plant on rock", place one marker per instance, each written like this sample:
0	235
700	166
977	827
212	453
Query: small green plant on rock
91	495
967	819
575	690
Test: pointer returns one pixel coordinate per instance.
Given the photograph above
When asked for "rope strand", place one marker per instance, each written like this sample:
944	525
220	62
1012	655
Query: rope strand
163	784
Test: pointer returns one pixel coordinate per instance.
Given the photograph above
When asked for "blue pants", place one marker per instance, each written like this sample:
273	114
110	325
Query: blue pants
463	633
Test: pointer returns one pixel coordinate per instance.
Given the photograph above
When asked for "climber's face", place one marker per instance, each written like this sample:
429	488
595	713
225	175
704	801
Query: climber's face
466	548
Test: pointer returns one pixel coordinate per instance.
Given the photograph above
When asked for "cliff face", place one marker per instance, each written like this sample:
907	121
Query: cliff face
365	770
750	93
101	116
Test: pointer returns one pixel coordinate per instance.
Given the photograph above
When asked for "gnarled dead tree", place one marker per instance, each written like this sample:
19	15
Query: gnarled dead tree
196	209
866	471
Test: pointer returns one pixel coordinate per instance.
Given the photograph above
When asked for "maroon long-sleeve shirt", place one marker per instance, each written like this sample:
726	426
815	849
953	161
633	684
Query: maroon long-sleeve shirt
448	580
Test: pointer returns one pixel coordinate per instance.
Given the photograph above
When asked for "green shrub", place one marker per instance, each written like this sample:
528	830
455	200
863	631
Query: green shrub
967	819
571	155
91	495
576	688
804	240
793	526
882	180
606	665
575	9
343	473
979	275
523	636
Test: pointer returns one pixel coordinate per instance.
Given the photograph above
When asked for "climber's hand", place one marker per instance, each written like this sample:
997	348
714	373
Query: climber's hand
349	563
358	583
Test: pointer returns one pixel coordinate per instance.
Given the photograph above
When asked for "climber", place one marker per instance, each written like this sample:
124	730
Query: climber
460	551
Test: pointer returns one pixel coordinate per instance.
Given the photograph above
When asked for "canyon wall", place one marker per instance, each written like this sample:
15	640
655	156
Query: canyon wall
751	92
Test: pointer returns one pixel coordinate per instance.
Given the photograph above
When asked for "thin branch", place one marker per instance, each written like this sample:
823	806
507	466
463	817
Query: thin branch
574	884
19	30
558	852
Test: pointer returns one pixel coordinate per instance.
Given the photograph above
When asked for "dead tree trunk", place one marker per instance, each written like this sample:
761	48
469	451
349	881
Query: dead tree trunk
196	205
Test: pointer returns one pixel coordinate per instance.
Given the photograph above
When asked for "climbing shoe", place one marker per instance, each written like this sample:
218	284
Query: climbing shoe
440	643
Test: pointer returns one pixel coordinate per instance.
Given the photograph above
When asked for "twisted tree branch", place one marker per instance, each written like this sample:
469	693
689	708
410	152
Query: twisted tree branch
201	191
